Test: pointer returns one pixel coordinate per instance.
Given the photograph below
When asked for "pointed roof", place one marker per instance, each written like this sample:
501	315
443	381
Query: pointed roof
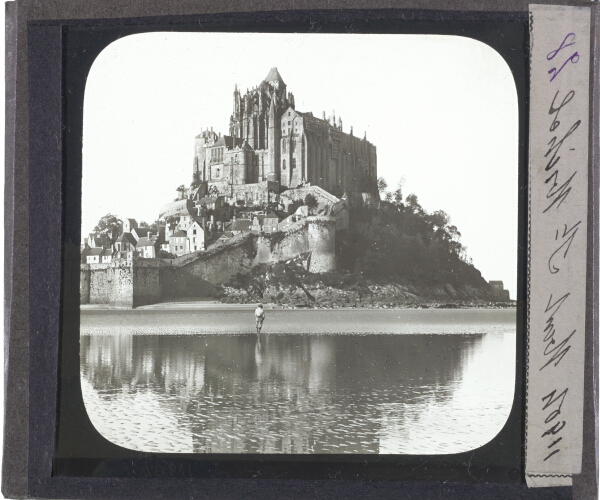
127	238
274	76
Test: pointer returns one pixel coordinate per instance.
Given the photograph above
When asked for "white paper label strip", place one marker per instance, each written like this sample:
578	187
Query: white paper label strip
558	187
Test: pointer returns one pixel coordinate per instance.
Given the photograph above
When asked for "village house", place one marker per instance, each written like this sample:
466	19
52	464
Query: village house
125	243
147	248
139	232
257	222
107	256
270	223
84	252
196	238
97	240
209	203
94	256
178	243
227	235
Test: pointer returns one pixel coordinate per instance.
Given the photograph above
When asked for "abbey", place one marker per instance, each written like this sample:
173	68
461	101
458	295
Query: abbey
269	140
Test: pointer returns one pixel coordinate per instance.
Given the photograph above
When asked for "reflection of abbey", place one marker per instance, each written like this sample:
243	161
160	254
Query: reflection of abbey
269	140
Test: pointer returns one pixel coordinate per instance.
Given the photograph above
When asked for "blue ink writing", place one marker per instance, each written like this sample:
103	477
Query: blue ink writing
574	58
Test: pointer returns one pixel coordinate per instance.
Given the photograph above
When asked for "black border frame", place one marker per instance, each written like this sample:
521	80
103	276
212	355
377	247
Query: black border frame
498	461
45	155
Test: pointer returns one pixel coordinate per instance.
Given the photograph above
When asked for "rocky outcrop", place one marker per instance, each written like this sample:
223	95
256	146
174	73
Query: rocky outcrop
289	286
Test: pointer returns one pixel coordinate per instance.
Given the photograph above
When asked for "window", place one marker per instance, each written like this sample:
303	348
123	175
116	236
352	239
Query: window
293	163
289	113
288	124
194	231
283	165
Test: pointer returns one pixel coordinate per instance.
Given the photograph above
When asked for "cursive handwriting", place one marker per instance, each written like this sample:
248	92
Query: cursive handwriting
567	238
559	189
557	351
573	58
554	402
554	145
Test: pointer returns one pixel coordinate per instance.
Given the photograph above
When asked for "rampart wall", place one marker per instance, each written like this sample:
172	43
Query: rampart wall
121	283
224	261
281	245
148	281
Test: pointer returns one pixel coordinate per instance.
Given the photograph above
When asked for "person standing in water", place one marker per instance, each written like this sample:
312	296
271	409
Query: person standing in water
260	317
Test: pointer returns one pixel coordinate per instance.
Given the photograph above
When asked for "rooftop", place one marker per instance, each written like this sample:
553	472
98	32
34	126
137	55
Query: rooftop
145	242
274	76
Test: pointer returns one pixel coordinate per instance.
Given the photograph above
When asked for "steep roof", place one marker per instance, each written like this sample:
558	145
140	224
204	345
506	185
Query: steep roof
126	237
96	251
145	242
274	76
180	234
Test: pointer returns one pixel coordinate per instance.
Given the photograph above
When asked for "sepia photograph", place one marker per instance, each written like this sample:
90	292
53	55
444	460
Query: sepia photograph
299	243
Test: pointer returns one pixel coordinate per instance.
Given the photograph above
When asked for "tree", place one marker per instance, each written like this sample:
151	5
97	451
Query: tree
180	190
110	227
397	194
388	197
439	219
196	181
311	202
413	203
171	221
381	185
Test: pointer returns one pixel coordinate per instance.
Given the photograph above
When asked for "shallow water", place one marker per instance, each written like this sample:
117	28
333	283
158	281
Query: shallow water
426	393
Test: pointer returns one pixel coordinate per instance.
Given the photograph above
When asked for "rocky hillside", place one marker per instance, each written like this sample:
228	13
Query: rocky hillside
289	285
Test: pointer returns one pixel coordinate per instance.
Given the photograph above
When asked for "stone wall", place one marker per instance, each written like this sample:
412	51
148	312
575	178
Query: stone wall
321	241
107	284
121	283
147	287
148	281
223	262
281	246
84	284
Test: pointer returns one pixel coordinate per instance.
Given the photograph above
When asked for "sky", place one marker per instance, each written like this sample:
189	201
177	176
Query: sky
441	110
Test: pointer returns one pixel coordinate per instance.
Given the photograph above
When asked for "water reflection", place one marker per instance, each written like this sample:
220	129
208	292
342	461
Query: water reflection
299	393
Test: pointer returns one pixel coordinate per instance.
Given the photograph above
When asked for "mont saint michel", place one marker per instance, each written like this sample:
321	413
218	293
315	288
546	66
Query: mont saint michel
287	189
